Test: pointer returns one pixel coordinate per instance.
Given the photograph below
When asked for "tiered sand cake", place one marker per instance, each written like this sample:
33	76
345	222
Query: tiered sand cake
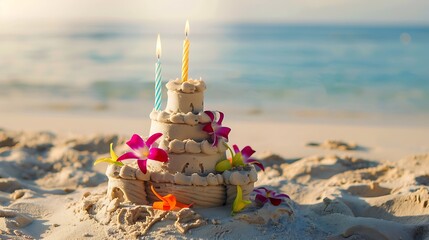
190	173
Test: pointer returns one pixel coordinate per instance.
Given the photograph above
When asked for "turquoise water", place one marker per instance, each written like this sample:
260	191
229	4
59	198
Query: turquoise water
354	69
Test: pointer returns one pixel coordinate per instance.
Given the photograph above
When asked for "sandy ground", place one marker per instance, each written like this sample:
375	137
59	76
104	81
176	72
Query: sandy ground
373	184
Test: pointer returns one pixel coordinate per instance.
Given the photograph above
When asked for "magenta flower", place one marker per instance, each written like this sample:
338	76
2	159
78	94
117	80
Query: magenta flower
239	158
144	151
244	155
215	127
263	195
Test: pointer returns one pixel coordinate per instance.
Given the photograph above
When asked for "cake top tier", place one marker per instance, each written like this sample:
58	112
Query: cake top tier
190	86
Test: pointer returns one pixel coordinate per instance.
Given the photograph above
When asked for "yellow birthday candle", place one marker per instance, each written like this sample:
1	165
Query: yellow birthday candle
185	59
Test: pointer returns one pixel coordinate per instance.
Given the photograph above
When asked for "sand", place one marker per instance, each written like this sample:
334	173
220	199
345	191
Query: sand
345	182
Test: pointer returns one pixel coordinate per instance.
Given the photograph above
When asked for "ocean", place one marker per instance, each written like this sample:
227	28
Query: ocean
275	71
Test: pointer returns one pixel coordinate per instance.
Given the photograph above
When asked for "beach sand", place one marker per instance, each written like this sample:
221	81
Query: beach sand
344	181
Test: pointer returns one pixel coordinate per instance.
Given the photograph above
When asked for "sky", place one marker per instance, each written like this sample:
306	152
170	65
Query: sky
283	11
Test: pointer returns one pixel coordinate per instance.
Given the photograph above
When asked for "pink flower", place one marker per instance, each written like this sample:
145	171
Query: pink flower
244	155
144	151
263	195
239	158
215	127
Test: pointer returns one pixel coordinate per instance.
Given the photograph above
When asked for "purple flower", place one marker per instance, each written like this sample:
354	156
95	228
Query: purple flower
215	127
244	157
143	151
239	158
263	195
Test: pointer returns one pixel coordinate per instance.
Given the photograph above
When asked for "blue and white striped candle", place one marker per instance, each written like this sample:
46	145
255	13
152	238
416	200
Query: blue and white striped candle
158	76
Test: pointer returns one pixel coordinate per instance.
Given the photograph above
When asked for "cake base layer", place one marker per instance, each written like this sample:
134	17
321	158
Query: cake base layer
129	184
127	190
139	192
199	196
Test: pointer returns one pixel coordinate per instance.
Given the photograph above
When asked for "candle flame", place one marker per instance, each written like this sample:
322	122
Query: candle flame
187	28
158	47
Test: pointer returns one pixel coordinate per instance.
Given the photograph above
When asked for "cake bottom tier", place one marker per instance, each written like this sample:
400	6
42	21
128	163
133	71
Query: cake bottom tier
139	192
199	196
127	190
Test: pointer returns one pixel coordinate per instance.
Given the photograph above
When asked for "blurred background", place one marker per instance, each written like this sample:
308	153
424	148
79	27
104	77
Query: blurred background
355	61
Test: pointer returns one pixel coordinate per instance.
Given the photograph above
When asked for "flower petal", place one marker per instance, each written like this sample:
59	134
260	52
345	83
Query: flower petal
256	162
239	203
261	190
120	164
237	160
171	201
239	196
275	201
208	128
260	165
142	165
128	155
221	115
136	142
236	149
261	199
154	192
160	205
108	160
158	154
112	153
153	139
168	203
247	151
182	205
215	140
210	114
280	195
223	132
223	165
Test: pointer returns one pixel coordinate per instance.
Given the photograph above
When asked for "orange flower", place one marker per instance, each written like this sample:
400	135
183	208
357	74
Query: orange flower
168	202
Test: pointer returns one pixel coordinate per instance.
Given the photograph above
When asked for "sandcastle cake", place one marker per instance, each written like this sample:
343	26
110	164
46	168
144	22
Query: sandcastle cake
184	160
197	170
